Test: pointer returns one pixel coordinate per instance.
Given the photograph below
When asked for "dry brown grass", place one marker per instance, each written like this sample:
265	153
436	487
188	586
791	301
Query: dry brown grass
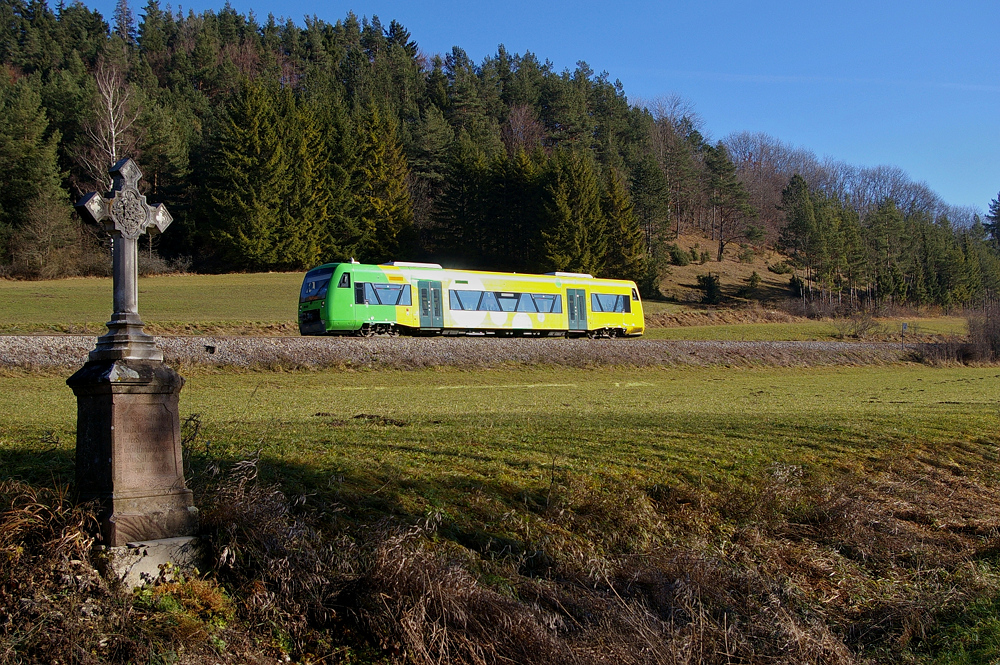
781	568
753	313
681	284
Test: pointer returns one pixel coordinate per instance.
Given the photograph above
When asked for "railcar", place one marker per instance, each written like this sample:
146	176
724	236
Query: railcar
426	299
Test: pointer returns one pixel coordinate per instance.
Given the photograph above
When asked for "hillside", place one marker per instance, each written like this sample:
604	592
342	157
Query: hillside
680	285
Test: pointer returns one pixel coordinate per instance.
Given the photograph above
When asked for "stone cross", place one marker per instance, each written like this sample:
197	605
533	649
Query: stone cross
125	214
128	443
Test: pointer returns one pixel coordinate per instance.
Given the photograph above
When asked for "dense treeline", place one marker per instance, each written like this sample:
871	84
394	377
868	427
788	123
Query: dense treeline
279	146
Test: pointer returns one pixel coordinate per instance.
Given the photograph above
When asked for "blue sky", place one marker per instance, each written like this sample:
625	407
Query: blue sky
915	84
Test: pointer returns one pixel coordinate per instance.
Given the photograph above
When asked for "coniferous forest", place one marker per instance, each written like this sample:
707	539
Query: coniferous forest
279	146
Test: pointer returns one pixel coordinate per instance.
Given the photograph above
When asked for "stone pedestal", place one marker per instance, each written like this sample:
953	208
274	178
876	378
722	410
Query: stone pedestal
128	450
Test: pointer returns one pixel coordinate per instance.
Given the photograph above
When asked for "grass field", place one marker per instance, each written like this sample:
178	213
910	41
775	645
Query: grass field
717	515
512	426
803	331
860	491
679	420
175	303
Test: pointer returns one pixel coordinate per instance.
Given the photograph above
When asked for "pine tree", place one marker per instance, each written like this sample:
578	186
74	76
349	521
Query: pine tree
247	181
305	210
124	27
382	200
727	196
574	231
429	163
650	197
626	254
992	224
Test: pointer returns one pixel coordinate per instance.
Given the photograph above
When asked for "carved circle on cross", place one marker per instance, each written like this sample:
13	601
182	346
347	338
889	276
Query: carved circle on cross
130	213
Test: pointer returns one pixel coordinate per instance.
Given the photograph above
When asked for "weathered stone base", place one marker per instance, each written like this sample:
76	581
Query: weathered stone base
149	517
139	563
128	450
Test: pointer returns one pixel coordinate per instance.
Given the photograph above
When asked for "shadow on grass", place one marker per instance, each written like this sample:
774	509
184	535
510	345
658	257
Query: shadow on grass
44	467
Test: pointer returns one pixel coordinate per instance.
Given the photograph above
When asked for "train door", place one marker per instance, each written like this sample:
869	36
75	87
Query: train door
576	309
431	313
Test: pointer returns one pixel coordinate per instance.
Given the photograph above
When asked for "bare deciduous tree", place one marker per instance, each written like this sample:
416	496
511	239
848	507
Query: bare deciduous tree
111	131
522	131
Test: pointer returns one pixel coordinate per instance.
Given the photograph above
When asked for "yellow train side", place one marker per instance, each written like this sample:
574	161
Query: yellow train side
354	298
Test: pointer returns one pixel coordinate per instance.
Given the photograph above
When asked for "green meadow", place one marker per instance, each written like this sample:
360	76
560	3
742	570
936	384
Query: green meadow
594	467
174	303
424	437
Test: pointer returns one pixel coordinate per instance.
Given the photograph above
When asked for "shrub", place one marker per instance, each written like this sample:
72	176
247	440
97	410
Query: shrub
984	333
860	325
677	256
754	234
712	287
783	268
746	254
750	287
704	258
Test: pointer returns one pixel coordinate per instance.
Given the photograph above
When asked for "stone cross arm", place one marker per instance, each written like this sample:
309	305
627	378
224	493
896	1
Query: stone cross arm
124	209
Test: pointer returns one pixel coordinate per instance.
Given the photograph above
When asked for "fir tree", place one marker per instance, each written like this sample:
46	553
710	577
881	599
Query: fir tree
36	231
992	224
513	205
248	180
305	211
382	199
460	213
574	231
626	254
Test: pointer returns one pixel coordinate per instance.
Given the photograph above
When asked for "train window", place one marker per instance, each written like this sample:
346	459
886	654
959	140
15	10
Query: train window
315	284
508	301
345	281
489	302
425	301
526	304
468	300
370	296
607	302
548	303
392	294
359	293
635	295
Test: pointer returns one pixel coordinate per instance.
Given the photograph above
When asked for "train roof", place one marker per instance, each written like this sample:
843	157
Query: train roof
418	267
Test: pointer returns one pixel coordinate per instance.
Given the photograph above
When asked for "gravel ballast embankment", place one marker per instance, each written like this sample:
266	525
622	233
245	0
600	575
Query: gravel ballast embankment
57	351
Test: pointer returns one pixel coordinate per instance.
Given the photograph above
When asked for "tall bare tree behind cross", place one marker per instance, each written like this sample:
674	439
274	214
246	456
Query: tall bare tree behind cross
111	130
